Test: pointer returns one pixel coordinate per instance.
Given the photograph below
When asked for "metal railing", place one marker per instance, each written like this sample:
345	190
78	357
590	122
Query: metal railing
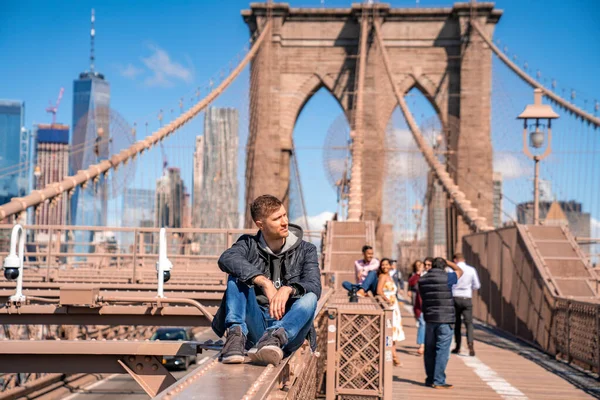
518	296
576	329
53	251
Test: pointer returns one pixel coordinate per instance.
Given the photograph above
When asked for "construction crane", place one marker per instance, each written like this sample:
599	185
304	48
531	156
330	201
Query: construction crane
53	109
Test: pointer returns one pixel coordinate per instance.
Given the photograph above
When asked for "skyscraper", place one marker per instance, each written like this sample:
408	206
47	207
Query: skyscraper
170	200
51	165
219	194
198	180
89	142
12	115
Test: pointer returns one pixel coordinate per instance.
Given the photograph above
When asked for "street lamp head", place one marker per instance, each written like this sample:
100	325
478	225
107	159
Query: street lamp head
536	138
537	110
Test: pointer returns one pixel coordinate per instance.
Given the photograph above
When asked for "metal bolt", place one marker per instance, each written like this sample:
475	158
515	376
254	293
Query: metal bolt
131	358
139	367
154	367
147	358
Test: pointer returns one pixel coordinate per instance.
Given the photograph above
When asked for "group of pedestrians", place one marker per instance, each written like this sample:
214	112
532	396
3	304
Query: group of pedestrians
442	292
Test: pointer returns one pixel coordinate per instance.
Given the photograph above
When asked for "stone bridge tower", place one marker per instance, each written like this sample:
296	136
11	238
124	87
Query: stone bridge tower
432	49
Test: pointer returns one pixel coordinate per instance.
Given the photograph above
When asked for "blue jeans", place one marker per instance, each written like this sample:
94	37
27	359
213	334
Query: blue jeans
370	283
438	338
242	309
421	330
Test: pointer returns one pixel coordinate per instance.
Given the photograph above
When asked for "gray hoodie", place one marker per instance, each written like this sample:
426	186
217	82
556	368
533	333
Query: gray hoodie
275	260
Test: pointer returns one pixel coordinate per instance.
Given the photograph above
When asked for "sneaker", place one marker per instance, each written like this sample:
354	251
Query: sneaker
444	386
235	346
268	350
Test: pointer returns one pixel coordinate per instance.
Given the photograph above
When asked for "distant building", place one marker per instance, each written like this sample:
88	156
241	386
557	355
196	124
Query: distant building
198	180
187	211
90	142
12	115
579	222
137	212
51	165
170	199
497	214
216	186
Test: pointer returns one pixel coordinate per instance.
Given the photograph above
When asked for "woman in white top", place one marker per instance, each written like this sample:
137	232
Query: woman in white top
387	289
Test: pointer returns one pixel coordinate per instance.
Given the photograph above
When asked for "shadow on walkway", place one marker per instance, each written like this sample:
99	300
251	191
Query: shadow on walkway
579	378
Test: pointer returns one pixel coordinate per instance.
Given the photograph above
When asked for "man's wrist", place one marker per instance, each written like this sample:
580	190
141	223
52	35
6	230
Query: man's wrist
291	290
260	280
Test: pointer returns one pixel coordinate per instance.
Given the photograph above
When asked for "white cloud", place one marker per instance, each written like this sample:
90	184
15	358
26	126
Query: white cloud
316	222
130	71
511	167
164	69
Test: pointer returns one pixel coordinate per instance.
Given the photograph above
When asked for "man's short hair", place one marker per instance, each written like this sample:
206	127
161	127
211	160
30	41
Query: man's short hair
439	262
263	206
459	256
366	247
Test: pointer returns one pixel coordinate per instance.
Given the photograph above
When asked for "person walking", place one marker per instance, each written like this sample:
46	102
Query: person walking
387	289
413	284
463	303
272	291
435	288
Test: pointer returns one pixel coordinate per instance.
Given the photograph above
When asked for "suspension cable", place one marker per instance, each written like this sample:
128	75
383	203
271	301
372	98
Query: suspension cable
20	204
535	84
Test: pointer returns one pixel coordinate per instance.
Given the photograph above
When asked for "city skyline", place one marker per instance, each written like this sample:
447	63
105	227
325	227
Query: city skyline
141	76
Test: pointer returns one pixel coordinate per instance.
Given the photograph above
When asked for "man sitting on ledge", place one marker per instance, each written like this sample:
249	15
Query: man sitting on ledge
272	291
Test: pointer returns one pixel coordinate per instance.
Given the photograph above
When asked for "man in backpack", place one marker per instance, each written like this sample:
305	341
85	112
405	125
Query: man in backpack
435	288
272	291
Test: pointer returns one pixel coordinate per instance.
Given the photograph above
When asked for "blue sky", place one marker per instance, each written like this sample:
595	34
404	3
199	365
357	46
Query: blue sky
153	54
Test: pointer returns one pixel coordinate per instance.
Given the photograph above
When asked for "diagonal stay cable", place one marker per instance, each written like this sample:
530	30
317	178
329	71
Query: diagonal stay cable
463	206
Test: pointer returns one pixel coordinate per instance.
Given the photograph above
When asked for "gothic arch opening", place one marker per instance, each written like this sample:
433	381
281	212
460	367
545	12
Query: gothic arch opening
412	201
320	133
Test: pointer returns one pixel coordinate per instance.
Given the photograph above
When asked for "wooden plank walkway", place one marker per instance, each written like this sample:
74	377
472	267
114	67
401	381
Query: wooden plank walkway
502	369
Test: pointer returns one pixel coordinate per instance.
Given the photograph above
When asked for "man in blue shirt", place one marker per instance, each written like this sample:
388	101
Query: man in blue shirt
438	309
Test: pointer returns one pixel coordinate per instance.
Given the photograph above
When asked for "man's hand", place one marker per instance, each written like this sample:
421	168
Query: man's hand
278	302
458	270
266	285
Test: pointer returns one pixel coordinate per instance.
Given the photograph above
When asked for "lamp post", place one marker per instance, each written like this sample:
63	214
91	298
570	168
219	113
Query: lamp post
537	117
